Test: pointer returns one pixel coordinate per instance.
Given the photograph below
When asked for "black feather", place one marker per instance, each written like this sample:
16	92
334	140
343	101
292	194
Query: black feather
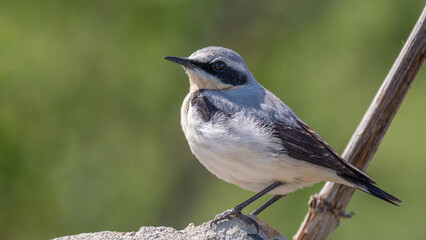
371	189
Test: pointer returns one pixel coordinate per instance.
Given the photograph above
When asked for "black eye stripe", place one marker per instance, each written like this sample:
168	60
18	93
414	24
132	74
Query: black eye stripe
207	67
227	75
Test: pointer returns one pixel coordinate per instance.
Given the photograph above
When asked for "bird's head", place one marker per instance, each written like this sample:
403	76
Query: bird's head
215	68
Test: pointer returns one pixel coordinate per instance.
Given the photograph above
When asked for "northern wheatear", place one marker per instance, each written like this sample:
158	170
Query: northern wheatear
245	135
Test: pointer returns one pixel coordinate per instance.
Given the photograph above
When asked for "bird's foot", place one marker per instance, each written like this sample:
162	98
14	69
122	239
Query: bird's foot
231	213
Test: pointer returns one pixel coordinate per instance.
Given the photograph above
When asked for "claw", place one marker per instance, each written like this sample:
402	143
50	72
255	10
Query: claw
229	214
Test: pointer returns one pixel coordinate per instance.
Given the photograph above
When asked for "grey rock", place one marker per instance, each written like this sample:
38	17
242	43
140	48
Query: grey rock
224	230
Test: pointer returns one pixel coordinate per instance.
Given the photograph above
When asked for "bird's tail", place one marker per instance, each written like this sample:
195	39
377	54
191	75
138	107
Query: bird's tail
371	189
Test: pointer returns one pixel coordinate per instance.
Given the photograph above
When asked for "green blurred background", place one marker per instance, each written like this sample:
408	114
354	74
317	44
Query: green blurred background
90	136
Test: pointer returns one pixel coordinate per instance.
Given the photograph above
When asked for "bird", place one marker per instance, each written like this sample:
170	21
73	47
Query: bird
245	135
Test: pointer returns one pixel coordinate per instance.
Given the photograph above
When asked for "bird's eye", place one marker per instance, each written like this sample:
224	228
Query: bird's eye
219	65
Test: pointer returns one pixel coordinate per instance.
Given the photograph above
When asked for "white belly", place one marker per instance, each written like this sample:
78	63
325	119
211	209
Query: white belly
240	151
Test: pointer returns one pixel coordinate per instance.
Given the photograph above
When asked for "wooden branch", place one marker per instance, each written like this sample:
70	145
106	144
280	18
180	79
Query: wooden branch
327	207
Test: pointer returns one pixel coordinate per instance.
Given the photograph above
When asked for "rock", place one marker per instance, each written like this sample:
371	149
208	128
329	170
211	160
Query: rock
224	230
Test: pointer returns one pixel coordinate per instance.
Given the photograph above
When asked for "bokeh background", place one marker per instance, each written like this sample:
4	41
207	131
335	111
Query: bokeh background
90	136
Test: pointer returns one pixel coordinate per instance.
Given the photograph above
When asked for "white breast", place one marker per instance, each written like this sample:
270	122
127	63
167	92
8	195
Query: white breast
242	151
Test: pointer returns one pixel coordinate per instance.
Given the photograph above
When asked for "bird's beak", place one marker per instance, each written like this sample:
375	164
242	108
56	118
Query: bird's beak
182	61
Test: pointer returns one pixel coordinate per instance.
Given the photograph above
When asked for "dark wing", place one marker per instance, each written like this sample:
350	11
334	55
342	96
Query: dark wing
305	144
300	142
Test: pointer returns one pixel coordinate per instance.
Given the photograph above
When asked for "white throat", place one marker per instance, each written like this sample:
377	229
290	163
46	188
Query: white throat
199	79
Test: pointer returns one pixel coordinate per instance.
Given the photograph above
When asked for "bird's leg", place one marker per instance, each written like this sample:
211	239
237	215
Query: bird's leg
267	204
236	211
